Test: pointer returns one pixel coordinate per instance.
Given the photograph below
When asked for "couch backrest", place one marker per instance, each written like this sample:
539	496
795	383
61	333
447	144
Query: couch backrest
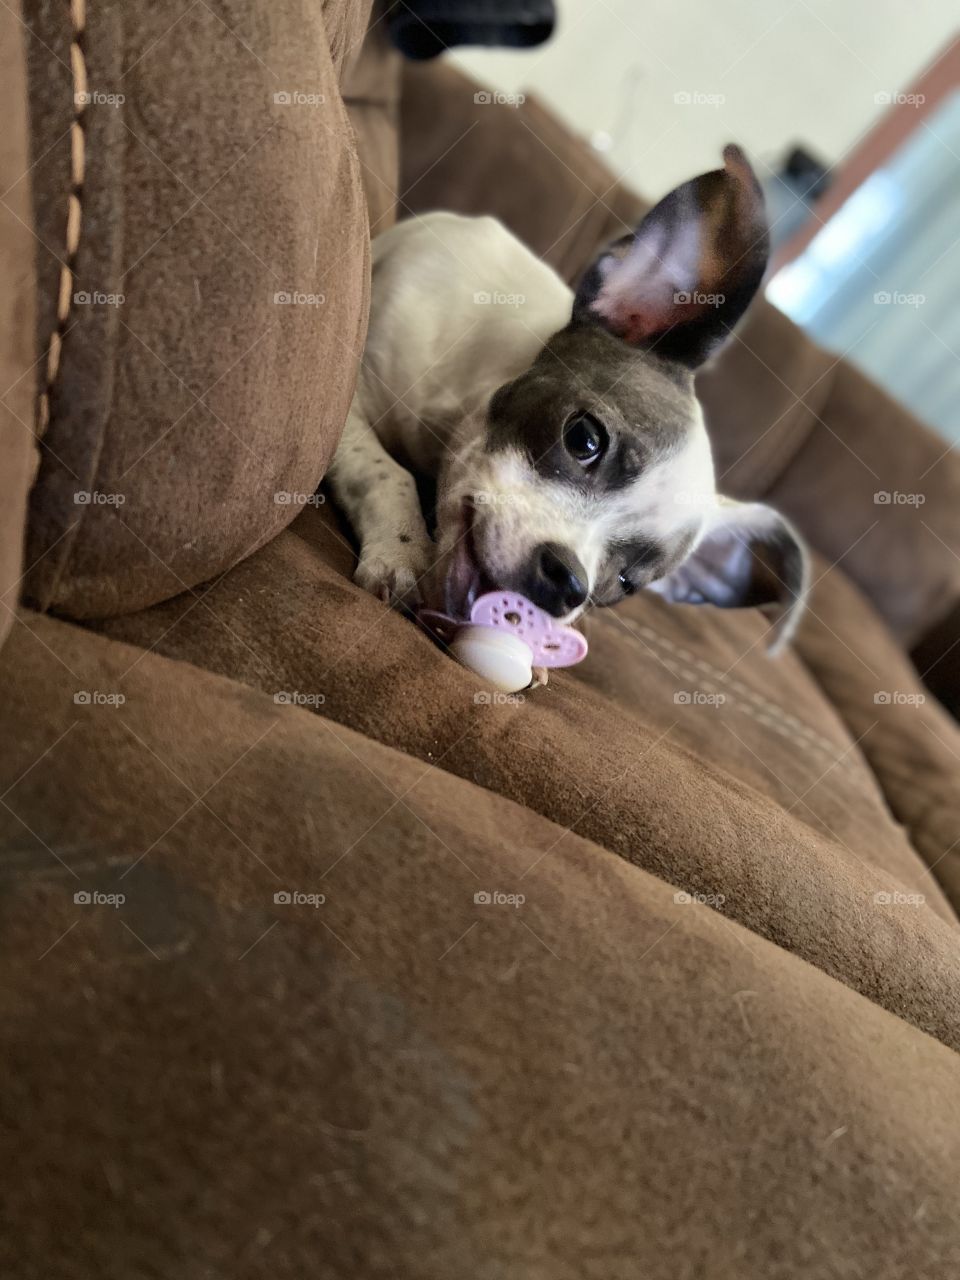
202	265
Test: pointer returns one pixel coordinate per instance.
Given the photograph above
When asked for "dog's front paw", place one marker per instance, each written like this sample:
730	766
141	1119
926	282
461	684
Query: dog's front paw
393	573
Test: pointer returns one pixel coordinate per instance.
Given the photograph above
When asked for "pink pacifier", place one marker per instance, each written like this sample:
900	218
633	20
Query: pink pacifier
505	638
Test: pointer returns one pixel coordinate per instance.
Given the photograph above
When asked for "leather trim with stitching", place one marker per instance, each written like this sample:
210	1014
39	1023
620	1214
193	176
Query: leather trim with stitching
78	66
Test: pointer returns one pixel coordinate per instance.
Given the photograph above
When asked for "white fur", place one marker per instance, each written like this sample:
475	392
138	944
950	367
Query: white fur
434	356
460	307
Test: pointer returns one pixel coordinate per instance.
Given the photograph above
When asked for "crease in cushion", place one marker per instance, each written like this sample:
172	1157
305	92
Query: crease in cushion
189	407
18	456
601	1045
795	840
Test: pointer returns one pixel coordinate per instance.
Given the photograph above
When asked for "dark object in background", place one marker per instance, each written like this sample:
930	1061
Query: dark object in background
937	658
807	175
422	29
791	190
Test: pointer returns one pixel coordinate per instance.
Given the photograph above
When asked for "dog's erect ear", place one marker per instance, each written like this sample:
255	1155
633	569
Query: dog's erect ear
686	275
748	555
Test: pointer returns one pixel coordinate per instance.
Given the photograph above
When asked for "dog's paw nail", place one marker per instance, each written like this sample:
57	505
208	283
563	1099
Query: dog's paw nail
394	584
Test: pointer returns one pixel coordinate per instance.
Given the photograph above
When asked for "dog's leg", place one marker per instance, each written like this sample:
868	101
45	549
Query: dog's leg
380	499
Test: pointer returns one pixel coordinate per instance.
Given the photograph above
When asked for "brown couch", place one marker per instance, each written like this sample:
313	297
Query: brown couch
717	1037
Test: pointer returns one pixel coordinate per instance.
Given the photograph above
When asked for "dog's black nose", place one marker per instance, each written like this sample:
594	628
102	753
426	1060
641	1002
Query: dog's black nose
555	579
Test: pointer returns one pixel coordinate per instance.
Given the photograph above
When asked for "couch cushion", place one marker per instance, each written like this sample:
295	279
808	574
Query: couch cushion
869	485
371	90
218	173
519	163
677	745
18	456
599	1081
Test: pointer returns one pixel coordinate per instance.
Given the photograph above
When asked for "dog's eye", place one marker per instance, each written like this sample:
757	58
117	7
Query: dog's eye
626	584
584	438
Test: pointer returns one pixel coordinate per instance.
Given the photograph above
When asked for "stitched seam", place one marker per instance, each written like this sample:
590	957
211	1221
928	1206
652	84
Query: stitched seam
753	704
78	66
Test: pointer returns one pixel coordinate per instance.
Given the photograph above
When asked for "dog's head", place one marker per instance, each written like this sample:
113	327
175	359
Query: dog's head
592	475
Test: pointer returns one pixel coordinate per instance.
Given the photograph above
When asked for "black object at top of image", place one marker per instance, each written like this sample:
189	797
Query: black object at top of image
422	29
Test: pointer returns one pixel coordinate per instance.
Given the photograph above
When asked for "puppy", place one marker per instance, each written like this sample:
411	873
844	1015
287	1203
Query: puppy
562	430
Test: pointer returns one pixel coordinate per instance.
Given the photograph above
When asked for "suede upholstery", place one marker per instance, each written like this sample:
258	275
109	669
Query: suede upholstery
185	409
321	961
602	1082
